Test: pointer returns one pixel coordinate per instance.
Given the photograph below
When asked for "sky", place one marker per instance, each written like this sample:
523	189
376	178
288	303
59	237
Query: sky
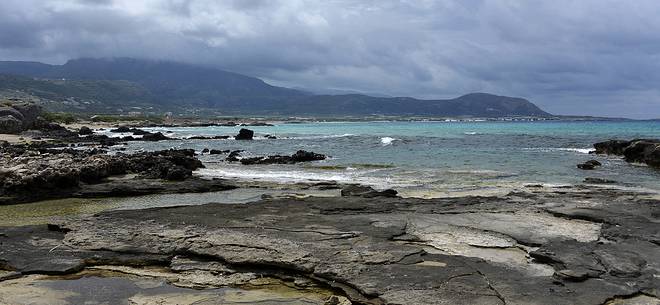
586	57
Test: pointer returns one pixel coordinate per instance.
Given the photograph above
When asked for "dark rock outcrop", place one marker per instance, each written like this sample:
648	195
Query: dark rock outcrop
83	131
645	151
10	124
218	151
159	136
29	111
32	173
244	134
121	129
299	156
18	116
611	147
366	191
589	165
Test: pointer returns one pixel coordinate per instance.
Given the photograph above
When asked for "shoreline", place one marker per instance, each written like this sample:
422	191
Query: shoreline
416	242
328	242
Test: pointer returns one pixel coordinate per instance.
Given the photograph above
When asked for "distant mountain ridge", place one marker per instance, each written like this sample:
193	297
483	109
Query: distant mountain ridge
104	84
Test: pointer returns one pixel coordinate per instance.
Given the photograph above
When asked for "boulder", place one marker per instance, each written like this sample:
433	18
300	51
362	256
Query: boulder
305	156
121	129
205	150
591	164
17	117
611	147
586	166
244	134
139	132
643	151
159	136
83	131
10	124
29	111
11	111
217	151
639	150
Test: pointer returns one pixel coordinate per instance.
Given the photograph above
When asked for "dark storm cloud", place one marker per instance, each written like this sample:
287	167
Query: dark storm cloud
579	57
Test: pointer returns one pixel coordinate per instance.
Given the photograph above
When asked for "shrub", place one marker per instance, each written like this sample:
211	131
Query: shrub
59	117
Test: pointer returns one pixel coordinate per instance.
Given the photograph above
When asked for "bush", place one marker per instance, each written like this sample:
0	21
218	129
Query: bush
59	117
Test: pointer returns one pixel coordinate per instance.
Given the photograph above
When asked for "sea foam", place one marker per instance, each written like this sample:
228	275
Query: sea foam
387	140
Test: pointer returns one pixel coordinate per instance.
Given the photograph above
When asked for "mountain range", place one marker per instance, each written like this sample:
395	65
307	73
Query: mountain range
117	84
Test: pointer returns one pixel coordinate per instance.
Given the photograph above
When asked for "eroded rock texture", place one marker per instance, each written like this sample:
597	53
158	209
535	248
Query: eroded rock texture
569	246
639	150
30	174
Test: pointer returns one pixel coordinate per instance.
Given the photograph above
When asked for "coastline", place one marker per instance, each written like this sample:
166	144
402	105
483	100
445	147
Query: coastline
317	242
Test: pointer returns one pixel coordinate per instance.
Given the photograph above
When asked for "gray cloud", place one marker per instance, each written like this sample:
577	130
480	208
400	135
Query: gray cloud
571	57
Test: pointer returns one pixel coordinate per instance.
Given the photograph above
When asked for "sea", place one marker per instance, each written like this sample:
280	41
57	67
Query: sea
425	158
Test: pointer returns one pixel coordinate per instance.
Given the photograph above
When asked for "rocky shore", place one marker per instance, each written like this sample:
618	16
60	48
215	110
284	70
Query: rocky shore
646	151
582	244
33	172
576	245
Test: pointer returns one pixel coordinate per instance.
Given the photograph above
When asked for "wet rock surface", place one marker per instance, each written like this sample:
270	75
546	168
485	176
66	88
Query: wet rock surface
579	245
244	134
645	151
591	164
366	191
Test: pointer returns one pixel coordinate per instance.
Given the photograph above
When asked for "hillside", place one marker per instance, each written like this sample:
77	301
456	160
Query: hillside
76	95
112	84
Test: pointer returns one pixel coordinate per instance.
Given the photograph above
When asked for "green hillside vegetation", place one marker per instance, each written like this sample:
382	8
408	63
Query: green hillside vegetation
125	84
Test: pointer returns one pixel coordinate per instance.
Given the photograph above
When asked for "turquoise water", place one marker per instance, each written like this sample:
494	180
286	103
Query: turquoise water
429	157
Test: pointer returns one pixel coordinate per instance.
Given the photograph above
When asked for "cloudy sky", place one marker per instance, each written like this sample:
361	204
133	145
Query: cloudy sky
596	57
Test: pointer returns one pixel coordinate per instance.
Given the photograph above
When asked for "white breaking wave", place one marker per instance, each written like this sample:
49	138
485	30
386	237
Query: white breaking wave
296	176
578	150
387	140
471	133
116	134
